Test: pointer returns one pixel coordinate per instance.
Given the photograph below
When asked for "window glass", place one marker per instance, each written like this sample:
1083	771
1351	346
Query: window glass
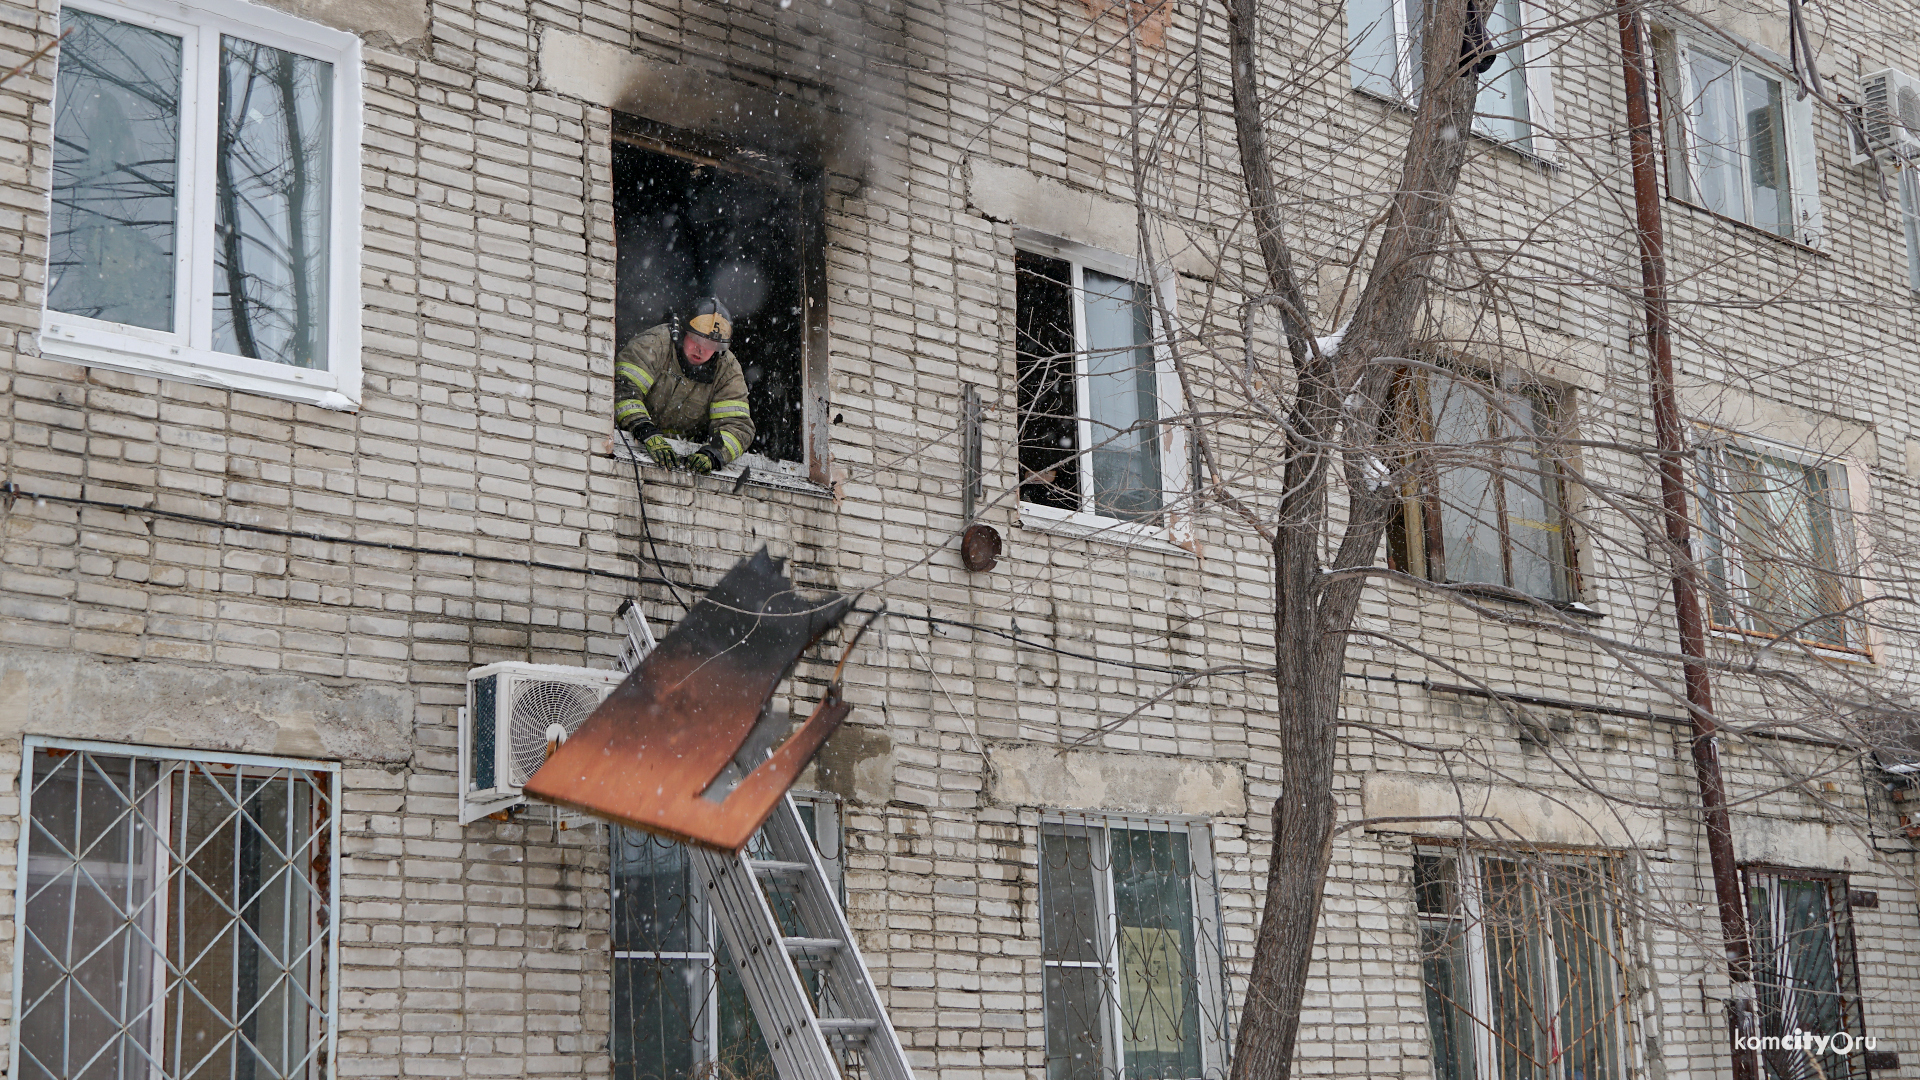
176	920
1488	507
116	160
1122	398
1501	109
1774	529
1383	42
1716	139
1766	131
1374	43
1735	127
1804	978
1120	940
1088	389
272	194
1521	967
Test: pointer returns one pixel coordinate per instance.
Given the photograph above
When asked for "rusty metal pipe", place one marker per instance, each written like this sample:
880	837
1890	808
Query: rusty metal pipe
1671	438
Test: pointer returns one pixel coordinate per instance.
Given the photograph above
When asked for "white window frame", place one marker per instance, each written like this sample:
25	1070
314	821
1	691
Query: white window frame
186	354
1850	539
1908	180
330	913
1207	931
1803	172
1470	888
1534	66
1174	531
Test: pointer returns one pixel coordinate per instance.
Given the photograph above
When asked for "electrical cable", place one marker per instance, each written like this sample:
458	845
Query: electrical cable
646	530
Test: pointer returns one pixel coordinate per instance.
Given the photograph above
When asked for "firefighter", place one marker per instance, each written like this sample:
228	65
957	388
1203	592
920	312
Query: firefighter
682	380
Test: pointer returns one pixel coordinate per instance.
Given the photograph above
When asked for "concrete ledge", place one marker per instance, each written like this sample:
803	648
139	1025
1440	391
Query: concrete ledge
1005	193
379	22
1042	776
205	708
1547	816
1804	845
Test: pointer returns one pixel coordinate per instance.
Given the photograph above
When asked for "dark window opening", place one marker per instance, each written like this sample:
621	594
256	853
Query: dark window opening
1049	420
687	228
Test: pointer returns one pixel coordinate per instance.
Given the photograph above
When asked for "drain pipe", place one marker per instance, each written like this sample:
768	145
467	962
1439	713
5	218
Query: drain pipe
1671	437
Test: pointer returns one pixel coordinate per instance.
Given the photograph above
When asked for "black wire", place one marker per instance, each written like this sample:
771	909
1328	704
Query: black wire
646	531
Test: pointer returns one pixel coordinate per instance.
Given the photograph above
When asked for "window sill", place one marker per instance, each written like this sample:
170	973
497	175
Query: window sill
1576	608
760	471
1526	156
1084	526
1749	228
1758	640
84	341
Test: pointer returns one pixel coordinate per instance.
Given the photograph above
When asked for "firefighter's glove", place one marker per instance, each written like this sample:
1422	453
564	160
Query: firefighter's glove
701	462
655	444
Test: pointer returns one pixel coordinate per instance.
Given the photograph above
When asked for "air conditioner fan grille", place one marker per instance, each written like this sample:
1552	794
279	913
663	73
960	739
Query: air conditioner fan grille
542	710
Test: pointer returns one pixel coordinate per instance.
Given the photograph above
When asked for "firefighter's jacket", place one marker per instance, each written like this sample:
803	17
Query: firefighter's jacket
650	382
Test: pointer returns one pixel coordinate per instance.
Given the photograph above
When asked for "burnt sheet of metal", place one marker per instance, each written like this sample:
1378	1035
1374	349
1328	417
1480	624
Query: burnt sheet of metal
648	755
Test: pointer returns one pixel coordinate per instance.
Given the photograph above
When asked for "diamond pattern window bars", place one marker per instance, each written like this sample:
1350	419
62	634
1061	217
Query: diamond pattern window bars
177	921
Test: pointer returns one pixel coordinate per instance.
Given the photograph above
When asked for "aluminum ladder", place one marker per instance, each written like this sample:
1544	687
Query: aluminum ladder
836	1029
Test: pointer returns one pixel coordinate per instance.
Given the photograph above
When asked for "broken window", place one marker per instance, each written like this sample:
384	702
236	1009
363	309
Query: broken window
745	229
1485	496
1520	960
1131	967
177	916
1804	974
1776	529
1089	391
205	199
678	1006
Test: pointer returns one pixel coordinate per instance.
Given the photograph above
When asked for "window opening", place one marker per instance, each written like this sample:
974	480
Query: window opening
1775	530
1384	42
1088	391
199	228
1131	984
1805	975
679	1010
1521	965
176	919
687	227
1486	499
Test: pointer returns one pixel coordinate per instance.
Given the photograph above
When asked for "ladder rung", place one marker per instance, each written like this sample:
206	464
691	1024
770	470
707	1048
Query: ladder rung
846	1030
811	945
776	868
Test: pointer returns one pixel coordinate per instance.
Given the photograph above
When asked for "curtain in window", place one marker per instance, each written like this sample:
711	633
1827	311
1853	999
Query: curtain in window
1153	906
1122	398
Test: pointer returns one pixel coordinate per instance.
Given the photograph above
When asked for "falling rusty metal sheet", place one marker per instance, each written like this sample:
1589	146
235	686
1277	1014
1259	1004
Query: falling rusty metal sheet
648	755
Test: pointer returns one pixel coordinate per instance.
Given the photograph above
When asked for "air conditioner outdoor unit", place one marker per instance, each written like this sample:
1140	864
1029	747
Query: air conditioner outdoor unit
515	715
1890	113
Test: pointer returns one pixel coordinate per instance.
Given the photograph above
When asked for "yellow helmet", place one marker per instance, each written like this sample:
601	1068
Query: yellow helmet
711	321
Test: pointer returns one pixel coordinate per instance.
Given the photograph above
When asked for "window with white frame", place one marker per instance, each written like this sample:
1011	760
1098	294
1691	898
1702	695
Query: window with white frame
1384	42
679	1010
1777	527
1520	957
1130	948
1909	178
1739	143
175	917
1092	392
1805	977
205	203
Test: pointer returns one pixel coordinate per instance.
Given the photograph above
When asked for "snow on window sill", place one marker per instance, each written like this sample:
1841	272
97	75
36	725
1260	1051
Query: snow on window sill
760	469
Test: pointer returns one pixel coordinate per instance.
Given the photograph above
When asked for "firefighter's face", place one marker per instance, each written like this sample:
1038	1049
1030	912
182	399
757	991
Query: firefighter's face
698	347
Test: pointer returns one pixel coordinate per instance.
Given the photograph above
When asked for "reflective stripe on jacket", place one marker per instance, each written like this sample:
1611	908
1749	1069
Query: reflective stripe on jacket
649	385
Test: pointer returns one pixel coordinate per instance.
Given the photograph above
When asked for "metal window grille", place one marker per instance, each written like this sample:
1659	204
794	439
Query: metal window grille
176	916
679	1011
1804	971
1131	948
1521	961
